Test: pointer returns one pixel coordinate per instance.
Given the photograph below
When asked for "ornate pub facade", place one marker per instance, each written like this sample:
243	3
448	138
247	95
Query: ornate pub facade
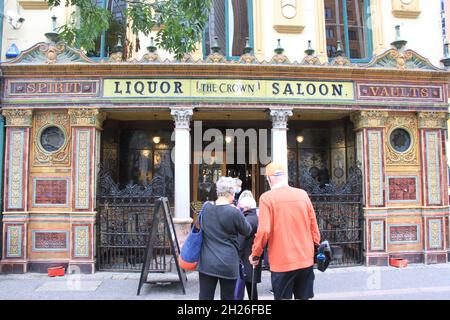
362	129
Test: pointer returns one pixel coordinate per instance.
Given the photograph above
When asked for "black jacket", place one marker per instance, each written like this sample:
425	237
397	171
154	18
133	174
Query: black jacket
245	247
221	226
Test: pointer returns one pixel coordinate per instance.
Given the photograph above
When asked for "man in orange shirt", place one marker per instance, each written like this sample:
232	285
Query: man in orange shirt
287	221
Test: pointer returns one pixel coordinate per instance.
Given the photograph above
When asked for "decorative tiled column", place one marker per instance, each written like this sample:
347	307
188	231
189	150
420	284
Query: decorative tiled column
369	128
86	125
15	210
433	126
182	220
280	119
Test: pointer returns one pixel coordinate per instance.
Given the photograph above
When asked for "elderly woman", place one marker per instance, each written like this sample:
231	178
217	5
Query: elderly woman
248	204
219	259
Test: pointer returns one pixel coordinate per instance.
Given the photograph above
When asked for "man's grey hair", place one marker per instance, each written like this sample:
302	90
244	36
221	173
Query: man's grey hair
225	186
238	181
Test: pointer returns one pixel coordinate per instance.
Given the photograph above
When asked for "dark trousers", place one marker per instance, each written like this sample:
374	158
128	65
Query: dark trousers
248	285
299	282
208	286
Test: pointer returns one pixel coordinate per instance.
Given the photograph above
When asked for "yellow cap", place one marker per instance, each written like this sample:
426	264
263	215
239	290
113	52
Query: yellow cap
275	169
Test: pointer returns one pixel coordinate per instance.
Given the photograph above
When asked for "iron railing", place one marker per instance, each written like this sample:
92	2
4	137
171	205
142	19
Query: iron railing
123	225
339	213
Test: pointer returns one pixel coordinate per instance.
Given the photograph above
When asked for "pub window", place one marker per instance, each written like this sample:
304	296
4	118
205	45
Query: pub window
104	44
350	22
231	22
330	33
328	13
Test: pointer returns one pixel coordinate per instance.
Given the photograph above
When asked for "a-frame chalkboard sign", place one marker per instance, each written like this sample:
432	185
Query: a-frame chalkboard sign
162	208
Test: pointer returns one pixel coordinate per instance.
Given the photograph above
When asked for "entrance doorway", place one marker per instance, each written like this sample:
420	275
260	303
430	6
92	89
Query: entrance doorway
237	155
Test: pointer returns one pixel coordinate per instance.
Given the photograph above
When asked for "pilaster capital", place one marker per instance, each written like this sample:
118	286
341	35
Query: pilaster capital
369	119
18	117
432	120
86	117
182	117
280	118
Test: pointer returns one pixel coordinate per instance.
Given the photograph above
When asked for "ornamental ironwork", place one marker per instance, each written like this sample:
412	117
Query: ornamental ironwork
339	215
124	222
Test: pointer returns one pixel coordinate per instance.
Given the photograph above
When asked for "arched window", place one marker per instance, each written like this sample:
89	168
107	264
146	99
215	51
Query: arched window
348	21
231	22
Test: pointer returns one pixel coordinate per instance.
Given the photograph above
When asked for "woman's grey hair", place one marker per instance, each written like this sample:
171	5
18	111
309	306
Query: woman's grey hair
247	202
244	194
225	187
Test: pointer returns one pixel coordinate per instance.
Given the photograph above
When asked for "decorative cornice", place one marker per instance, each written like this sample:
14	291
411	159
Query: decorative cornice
182	117
280	118
311	61
433	120
369	119
18	117
116	57
215	57
47	53
150	57
55	54
86	117
340	61
280	59
395	59
248	58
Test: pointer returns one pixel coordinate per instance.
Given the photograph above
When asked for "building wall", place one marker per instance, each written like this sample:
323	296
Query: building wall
37	22
270	24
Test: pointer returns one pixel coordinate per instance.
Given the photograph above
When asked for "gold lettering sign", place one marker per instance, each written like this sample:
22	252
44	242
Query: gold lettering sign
400	92
215	89
53	88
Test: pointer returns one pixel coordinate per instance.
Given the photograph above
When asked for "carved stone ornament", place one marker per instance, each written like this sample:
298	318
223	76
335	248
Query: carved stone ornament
18	117
280	118
42	121
340	61
408	123
151	57
433	120
216	57
248	58
401	60
187	58
280	59
369	119
50	53
182	117
406	8
116	57
311	61
86	117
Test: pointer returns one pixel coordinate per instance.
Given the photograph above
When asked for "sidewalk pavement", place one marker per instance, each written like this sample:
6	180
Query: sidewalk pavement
356	283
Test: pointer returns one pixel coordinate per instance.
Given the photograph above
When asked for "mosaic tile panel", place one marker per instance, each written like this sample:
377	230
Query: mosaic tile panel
14	241
376	235
49	241
433	167
435	233
81	242
50	192
374	138
82	167
402	189
404	234
16	168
